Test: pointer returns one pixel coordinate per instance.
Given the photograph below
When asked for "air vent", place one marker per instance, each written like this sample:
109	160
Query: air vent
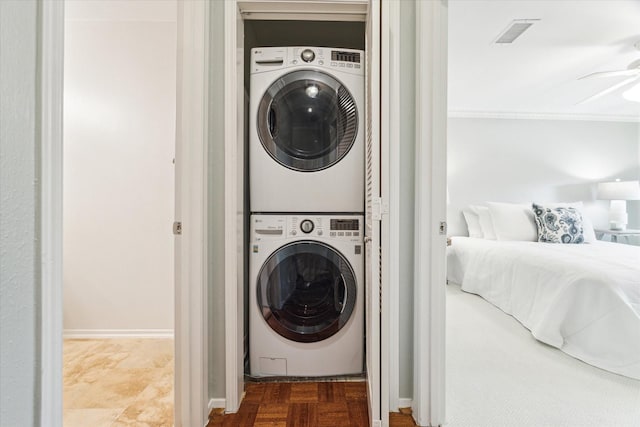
515	30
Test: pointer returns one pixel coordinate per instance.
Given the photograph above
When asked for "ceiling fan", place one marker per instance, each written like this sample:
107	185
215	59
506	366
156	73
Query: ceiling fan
632	72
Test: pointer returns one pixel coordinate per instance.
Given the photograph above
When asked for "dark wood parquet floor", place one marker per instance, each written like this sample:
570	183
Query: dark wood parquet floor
303	404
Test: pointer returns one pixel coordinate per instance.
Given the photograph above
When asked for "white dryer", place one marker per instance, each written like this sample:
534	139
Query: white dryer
306	140
306	287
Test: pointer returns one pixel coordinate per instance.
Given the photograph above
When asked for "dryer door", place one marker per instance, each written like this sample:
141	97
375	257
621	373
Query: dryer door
306	291
307	120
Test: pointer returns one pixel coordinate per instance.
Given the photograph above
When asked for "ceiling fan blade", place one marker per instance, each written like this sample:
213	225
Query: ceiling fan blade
630	72
609	90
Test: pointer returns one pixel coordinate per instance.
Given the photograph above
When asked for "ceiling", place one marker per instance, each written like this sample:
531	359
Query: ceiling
537	75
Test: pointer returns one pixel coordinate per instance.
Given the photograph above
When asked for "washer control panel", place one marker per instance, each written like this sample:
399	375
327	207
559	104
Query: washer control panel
340	59
337	227
279	227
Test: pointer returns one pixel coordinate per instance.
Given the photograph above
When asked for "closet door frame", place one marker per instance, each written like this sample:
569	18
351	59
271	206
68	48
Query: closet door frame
430	214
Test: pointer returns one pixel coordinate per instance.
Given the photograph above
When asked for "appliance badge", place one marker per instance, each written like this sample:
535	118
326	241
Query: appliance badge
255	249
358	250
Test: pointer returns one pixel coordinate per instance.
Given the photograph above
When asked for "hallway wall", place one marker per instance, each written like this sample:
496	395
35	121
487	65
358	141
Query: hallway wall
19	215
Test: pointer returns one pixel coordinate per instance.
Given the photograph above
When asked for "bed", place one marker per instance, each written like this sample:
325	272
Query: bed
583	299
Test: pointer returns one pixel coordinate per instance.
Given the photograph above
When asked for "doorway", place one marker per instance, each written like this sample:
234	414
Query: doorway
118	177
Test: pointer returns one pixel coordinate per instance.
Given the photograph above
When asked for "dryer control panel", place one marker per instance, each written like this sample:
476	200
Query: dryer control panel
300	226
340	59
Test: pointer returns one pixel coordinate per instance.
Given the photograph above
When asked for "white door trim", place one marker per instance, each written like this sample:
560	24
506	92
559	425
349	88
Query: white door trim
191	351
51	98
390	181
233	211
374	213
191	348
430	199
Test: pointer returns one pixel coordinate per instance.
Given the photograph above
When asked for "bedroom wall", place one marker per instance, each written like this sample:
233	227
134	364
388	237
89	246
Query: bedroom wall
509	160
634	206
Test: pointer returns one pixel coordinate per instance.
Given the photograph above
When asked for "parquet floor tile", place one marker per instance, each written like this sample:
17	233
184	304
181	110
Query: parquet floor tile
304	404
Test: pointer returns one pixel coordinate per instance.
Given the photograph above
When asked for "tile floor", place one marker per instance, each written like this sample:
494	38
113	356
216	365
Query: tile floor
118	382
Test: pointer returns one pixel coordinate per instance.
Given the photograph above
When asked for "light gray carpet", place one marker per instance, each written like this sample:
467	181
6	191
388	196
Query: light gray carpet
498	375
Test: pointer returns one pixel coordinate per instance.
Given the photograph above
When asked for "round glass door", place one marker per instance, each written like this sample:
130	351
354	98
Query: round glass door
307	120
306	291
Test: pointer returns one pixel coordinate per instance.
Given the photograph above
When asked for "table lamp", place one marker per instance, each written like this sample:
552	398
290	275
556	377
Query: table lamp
618	192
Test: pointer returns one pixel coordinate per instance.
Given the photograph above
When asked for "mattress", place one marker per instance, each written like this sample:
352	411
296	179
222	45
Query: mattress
581	298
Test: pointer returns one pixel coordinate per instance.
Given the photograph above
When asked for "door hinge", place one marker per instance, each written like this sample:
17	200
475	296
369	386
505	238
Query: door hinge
378	208
177	228
443	228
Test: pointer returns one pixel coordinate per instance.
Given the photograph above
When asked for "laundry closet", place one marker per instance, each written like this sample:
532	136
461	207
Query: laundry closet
305	198
307	192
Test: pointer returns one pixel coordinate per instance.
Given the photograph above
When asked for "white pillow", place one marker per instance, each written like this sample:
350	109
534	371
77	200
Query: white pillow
587	226
486	223
513	221
473	223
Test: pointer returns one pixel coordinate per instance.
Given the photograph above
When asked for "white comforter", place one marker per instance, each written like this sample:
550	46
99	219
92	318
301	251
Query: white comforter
583	299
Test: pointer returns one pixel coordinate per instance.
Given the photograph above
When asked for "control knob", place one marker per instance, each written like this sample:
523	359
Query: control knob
306	226
307	55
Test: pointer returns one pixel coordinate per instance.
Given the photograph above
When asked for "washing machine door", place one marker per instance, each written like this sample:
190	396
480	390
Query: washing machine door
306	291
307	120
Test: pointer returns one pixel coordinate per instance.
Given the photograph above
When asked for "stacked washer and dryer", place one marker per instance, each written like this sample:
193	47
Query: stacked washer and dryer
306	167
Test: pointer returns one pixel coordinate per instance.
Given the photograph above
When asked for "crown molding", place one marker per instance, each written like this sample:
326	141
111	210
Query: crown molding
542	116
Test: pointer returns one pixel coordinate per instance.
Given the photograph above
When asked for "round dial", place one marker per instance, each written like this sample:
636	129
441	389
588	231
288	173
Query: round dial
307	226
307	55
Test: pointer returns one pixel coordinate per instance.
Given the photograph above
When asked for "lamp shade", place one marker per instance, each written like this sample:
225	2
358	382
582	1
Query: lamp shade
619	190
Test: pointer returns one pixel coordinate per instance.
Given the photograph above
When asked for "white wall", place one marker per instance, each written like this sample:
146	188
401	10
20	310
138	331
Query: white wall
19	192
119	120
537	160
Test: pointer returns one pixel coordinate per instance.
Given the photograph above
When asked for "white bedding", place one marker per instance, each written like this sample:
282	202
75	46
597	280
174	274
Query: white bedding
583	299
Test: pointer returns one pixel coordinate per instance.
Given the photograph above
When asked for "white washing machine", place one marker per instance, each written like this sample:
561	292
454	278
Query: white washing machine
306	287
306	128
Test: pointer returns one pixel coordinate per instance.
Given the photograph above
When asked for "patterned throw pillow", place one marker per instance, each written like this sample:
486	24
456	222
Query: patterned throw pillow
558	225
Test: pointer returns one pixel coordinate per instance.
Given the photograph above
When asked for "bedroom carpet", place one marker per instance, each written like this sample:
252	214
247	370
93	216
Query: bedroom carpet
498	375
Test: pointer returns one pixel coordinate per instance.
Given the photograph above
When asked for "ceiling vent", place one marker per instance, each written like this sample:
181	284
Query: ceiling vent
515	30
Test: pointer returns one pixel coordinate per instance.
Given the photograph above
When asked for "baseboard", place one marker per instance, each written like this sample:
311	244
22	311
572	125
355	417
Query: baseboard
217	403
118	333
405	403
376	423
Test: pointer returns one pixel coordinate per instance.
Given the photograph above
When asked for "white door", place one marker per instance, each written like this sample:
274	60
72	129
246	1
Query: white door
191	375
373	211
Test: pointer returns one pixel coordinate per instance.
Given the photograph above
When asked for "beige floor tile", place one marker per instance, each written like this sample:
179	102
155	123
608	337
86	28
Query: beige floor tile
71	395
92	365
153	405
155	413
138	424
127	382
116	389
90	417
153	353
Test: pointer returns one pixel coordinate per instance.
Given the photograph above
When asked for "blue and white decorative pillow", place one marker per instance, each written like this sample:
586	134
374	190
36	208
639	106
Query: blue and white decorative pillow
558	225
